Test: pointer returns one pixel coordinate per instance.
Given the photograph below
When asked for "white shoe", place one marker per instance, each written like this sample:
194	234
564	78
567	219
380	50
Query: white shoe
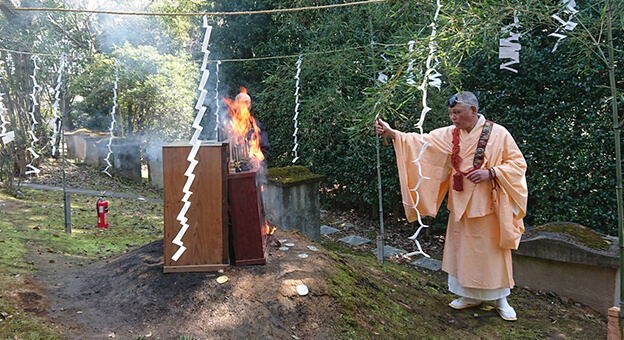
464	302
505	310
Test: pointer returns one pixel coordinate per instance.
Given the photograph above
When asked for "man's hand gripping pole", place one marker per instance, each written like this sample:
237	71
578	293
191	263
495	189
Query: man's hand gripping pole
384	138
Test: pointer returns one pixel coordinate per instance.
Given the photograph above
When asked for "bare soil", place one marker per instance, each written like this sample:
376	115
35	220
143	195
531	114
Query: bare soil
129	297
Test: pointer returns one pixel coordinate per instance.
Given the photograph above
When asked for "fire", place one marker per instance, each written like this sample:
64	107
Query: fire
270	230
244	133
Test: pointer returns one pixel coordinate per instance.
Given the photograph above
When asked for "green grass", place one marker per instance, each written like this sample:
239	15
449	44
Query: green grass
13	269
41	220
38	223
394	301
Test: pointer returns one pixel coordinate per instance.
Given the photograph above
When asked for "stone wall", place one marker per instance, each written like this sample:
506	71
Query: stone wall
92	148
560	263
81	145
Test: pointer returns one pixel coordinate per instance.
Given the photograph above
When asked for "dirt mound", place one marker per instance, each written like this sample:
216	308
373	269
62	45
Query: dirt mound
130	297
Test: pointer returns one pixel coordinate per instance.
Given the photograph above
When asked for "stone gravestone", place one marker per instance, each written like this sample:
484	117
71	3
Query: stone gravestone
291	200
153	153
94	150
101	147
127	158
76	147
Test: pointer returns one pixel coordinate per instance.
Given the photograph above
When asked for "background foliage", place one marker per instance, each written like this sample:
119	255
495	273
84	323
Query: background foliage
556	107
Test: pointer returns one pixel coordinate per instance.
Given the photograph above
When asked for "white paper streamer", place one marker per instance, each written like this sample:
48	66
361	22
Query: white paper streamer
431	78
509	48
55	106
113	121
569	25
295	118
217	122
382	77
410	67
7	137
195	143
31	132
432	74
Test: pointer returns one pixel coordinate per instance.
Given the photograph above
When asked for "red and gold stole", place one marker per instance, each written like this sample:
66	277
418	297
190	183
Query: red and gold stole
458	177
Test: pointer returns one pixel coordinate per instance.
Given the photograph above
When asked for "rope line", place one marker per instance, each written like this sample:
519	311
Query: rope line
235	59
197	14
28	53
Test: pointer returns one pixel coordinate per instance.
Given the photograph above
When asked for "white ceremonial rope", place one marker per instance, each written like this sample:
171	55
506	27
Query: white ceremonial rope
113	121
431	78
568	25
7	137
31	132
296	146
509	48
195	142
55	106
217	122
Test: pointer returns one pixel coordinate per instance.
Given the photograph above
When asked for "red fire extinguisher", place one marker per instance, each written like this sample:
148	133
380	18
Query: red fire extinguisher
102	213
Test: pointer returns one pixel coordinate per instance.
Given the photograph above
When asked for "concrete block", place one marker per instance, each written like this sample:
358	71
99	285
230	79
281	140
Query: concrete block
291	200
355	240
327	230
428	263
390	251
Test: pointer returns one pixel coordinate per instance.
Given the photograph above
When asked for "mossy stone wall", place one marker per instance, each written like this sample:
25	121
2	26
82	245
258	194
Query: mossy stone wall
291	200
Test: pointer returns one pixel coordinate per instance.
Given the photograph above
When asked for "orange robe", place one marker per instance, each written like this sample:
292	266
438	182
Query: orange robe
484	225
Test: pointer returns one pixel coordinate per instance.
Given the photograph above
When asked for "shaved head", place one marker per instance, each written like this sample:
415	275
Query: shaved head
243	97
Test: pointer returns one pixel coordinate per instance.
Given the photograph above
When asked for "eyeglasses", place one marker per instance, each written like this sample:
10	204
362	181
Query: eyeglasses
453	101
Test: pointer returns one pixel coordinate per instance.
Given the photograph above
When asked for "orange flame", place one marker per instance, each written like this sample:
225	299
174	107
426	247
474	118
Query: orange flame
269	230
244	129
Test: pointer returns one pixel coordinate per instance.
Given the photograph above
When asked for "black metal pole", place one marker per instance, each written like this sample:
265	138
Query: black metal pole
66	201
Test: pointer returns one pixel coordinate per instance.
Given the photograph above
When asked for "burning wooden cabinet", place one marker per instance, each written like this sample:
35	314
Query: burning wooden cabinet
207	240
207	237
248	231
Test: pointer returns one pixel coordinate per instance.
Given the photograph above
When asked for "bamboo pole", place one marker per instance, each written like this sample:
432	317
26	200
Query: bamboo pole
618	153
381	238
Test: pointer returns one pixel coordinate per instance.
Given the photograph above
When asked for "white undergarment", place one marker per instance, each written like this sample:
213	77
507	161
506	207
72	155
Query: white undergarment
475	293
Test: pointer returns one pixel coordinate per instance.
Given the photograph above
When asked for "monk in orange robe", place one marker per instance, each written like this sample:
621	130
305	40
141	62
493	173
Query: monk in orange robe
479	165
